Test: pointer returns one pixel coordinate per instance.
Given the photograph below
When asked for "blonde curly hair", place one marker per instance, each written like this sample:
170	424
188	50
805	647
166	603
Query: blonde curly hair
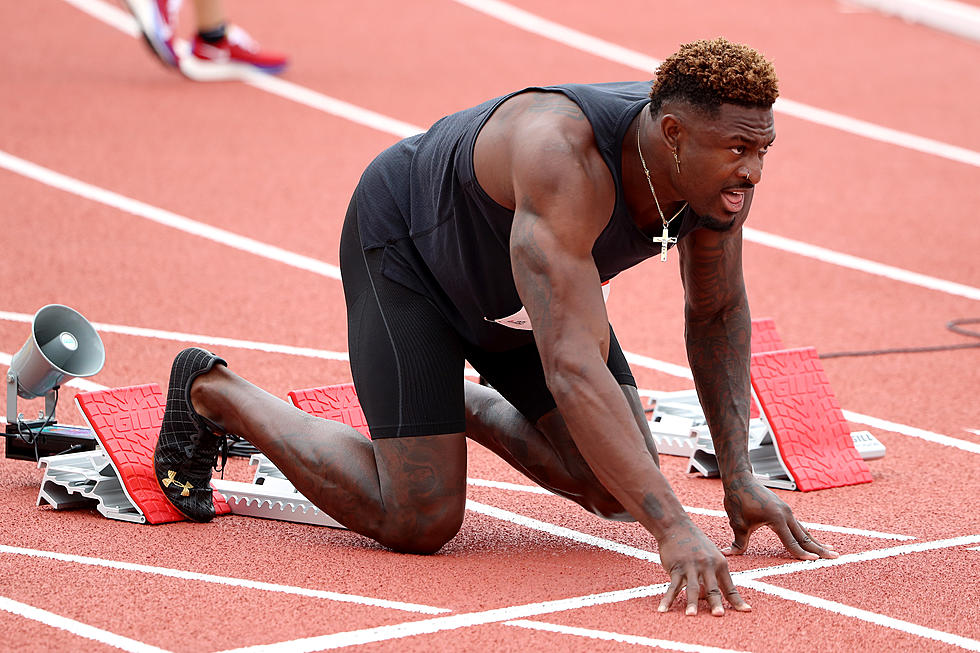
708	74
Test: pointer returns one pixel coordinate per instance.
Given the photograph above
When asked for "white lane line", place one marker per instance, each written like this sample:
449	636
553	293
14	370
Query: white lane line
534	489
400	129
182	223
634	359
516	487
163	217
856	263
850	558
454	622
527	21
76	627
438	624
196	338
953	17
223	580
535	24
618	637
864	615
561	531
911	431
827	528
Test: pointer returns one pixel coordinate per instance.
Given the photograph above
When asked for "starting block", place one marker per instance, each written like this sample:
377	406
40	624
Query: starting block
119	475
799	438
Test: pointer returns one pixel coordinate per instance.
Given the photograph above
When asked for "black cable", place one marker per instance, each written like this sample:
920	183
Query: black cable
32	438
953	325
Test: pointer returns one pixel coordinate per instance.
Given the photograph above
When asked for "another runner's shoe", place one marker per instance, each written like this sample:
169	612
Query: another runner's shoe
238	50
156	20
188	447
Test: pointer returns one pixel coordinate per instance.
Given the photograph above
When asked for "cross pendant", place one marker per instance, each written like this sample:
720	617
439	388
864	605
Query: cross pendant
664	239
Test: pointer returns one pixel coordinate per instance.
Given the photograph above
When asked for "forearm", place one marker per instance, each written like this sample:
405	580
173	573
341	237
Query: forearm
718	349
605	431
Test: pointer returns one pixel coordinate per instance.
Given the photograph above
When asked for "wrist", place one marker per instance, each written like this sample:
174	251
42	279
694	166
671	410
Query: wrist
738	479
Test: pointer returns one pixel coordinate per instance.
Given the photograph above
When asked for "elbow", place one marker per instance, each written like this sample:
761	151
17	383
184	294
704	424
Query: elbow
567	376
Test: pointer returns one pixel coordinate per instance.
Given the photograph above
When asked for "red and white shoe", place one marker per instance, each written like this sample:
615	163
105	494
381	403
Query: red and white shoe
156	20
237	51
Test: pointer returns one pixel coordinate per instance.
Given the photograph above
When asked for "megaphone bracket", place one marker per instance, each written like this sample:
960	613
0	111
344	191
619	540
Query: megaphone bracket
48	437
14	416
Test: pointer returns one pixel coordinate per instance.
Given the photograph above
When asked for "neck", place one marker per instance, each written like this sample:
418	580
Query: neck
639	197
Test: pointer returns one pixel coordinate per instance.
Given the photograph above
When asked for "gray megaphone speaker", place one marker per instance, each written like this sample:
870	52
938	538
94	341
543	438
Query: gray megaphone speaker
62	346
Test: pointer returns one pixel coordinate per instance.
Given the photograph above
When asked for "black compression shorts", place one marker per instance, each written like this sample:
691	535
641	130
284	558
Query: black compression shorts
407	361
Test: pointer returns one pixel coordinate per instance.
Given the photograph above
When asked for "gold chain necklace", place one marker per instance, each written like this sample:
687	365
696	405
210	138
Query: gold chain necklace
664	238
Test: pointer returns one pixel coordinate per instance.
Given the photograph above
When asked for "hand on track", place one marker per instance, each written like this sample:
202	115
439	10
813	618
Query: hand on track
750	505
693	561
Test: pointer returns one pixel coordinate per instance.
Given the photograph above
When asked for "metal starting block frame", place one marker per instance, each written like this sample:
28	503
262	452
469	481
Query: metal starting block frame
118	477
792	384
77	480
84	479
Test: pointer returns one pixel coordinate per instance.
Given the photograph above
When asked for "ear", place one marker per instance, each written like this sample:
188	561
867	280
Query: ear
671	130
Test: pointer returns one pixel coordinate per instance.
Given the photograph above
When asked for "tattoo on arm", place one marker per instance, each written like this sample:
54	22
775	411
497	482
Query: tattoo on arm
718	347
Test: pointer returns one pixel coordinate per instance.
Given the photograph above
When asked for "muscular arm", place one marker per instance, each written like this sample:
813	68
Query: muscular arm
563	195
718	334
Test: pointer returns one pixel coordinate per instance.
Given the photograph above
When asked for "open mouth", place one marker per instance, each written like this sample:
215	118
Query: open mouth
733	199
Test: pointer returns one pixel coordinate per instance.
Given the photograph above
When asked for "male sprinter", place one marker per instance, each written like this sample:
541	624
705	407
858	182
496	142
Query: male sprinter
488	239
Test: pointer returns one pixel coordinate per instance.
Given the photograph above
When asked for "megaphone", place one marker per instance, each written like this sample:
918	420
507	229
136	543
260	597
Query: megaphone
62	346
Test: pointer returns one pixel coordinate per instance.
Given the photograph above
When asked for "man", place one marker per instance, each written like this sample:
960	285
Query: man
488	238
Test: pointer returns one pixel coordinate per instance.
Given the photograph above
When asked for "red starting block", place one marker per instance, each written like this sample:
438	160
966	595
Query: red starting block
334	402
764	338
126	422
812	438
799	439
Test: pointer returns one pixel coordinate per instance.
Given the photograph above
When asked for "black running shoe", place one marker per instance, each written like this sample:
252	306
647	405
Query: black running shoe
188	446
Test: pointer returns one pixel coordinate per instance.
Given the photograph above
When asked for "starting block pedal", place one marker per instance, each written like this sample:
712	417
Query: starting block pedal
802	439
119	476
338	403
808	429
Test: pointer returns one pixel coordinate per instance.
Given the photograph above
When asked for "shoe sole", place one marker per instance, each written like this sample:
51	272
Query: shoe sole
203	70
149	21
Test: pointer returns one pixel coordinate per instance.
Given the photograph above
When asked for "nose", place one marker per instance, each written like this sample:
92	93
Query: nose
752	173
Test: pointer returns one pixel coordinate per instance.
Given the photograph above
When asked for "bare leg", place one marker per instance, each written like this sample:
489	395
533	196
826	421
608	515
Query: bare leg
406	493
545	451
210	14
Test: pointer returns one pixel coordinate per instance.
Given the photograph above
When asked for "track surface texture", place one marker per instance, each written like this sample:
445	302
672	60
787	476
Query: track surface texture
169	212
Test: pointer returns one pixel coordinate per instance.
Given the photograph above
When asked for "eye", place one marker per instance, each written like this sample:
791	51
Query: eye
738	149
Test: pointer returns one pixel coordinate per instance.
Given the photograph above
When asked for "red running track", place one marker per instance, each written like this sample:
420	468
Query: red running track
85	100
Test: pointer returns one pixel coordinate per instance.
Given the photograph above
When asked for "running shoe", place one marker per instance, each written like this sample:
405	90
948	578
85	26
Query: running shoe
237	50
188	447
156	20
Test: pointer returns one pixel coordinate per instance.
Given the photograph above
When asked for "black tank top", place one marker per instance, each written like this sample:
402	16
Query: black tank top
446	238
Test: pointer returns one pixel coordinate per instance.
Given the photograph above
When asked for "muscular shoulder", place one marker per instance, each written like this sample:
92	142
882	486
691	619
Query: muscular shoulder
540	140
